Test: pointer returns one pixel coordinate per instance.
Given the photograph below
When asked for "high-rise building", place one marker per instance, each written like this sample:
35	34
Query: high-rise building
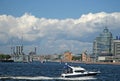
102	43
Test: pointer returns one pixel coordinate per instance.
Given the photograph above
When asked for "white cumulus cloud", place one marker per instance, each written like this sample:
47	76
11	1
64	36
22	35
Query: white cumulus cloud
58	34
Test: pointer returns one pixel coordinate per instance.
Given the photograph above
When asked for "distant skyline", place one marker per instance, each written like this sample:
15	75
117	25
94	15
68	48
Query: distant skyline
54	26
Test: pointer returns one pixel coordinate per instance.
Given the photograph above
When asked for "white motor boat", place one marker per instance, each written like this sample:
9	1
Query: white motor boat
71	71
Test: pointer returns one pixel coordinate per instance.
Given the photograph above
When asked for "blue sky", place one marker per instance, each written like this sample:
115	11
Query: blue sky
54	26
57	8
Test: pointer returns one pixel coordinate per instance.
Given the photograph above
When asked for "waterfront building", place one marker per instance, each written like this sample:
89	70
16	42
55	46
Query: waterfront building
102	44
67	56
116	46
85	57
115	52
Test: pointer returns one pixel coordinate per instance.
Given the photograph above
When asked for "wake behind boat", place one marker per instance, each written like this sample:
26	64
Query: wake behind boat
71	71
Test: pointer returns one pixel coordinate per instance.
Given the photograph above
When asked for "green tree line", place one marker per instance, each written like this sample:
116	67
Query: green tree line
76	58
4	57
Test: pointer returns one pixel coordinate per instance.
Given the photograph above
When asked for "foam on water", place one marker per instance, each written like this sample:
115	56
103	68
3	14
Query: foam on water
46	78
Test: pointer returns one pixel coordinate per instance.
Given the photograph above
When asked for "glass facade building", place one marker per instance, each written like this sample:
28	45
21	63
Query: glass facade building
102	44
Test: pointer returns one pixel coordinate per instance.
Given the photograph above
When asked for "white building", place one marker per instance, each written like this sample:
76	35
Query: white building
116	47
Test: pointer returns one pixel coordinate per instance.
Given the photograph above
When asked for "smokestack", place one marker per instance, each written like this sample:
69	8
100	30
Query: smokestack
35	50
22	49
13	50
16	49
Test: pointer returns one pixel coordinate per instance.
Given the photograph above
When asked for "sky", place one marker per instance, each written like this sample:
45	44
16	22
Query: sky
56	26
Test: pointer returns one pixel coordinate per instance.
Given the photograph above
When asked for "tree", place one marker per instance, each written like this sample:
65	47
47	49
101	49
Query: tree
7	57
76	58
4	57
1	56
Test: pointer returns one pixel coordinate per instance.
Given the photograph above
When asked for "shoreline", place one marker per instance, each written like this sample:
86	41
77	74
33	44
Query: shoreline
6	61
113	63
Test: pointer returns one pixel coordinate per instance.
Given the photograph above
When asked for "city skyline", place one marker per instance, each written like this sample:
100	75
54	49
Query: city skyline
56	26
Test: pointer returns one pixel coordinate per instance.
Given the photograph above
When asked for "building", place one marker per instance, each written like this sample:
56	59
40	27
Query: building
67	57
115	52
102	44
105	48
85	57
116	47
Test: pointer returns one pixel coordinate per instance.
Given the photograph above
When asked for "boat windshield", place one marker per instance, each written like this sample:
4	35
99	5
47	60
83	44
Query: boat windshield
67	70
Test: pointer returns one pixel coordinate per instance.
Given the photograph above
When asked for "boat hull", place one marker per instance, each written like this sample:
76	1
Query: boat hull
78	75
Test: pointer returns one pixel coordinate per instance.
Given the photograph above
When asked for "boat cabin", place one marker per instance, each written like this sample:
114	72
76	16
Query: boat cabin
70	69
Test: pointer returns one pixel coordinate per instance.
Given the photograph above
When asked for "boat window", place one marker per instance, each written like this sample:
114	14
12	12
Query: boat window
82	71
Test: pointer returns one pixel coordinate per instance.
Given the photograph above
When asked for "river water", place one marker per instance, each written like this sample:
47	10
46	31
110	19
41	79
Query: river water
50	71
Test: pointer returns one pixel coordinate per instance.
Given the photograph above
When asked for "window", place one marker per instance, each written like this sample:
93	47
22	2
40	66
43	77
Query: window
82	71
